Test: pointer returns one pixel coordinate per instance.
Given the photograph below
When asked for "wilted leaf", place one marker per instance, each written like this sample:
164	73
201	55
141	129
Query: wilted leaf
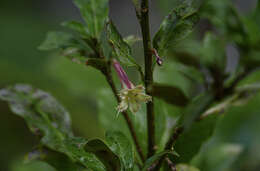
120	47
121	146
175	27
149	162
95	13
45	116
170	94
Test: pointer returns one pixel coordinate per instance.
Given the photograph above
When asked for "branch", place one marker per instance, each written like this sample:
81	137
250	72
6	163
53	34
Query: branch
177	132
110	81
145	26
171	164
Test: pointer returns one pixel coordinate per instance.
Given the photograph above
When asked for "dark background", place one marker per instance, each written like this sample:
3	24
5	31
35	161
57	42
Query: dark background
23	26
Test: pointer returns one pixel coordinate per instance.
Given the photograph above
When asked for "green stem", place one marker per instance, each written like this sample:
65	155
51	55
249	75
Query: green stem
145	26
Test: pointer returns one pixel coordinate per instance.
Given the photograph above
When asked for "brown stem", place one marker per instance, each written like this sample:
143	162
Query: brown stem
125	114
145	26
177	132
171	164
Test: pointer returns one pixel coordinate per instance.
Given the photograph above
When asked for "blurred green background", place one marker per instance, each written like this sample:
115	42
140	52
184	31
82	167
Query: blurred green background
24	24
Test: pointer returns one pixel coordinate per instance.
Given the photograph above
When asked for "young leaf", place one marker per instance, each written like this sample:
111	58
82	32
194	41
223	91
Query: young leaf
121	49
95	13
78	27
56	40
170	94
120	145
157	157
175	27
45	116
131	40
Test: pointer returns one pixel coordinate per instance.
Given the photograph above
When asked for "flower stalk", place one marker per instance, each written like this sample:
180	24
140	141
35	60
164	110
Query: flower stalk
125	114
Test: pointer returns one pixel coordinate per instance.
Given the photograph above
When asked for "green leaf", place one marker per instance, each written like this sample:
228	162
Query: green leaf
187	58
221	157
58	160
213	53
225	17
257	13
175	27
95	13
170	94
77	26
195	108
102	151
57	40
185	167
107	114
45	116
131	40
161	123
157	157
75	55
166	116
99	64
251	60
164	75
72	48
190	141
32	166
120	145
121	49
136	4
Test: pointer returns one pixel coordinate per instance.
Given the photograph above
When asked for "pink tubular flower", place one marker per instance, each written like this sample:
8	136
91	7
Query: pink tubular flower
131	96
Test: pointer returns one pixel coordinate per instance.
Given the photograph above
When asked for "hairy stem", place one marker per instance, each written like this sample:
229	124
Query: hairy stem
145	26
125	114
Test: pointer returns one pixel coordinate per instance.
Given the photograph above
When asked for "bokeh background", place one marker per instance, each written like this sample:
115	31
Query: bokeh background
23	26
